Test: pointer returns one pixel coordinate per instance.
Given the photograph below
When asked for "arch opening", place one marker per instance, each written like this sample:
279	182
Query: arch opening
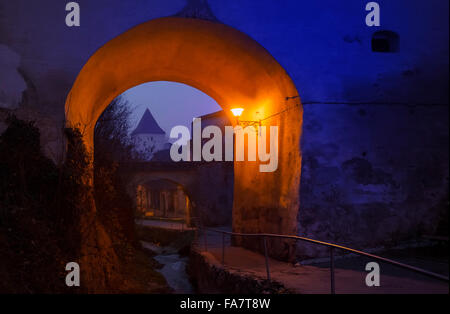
233	69
134	130
163	199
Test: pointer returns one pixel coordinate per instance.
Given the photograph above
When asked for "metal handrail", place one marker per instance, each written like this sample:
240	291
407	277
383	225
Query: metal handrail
332	247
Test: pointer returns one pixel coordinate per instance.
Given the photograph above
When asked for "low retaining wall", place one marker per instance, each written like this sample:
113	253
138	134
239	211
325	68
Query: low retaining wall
210	277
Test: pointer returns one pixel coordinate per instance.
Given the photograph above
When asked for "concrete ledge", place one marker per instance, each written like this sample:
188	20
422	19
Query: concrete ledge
210	277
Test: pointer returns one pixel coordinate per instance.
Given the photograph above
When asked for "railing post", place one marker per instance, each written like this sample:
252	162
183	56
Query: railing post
204	237
333	291
267	258
223	248
197	241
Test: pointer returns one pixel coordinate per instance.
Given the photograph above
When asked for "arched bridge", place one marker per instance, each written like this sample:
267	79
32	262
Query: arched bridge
208	185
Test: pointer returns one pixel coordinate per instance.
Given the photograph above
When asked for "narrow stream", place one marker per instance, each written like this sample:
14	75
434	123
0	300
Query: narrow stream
174	269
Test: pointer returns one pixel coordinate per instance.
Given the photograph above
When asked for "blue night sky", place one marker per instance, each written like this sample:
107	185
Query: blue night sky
170	103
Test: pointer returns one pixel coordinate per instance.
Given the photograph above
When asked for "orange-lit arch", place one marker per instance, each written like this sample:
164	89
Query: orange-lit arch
228	66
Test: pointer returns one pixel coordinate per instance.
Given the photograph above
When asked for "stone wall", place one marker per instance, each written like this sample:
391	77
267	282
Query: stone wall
51	130
210	277
373	174
213	193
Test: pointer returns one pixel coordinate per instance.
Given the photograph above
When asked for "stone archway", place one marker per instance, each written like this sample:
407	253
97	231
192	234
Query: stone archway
183	179
233	69
154	188
202	182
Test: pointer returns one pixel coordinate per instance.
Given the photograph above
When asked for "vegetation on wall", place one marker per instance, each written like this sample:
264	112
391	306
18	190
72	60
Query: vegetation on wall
39	209
112	146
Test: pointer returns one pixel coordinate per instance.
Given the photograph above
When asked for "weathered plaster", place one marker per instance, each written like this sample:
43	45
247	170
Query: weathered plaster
12	84
372	174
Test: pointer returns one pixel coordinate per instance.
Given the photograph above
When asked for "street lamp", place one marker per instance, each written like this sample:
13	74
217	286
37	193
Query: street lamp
237	112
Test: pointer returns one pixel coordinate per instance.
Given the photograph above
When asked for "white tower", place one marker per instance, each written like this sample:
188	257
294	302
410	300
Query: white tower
148	137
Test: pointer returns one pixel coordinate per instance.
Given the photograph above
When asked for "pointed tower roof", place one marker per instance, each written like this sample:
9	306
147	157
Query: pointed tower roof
148	125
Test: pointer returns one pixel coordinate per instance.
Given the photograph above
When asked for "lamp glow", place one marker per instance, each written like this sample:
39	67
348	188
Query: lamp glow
237	112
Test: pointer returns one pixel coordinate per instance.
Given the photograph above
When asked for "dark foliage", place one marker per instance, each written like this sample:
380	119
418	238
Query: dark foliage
39	209
112	146
41	206
25	173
